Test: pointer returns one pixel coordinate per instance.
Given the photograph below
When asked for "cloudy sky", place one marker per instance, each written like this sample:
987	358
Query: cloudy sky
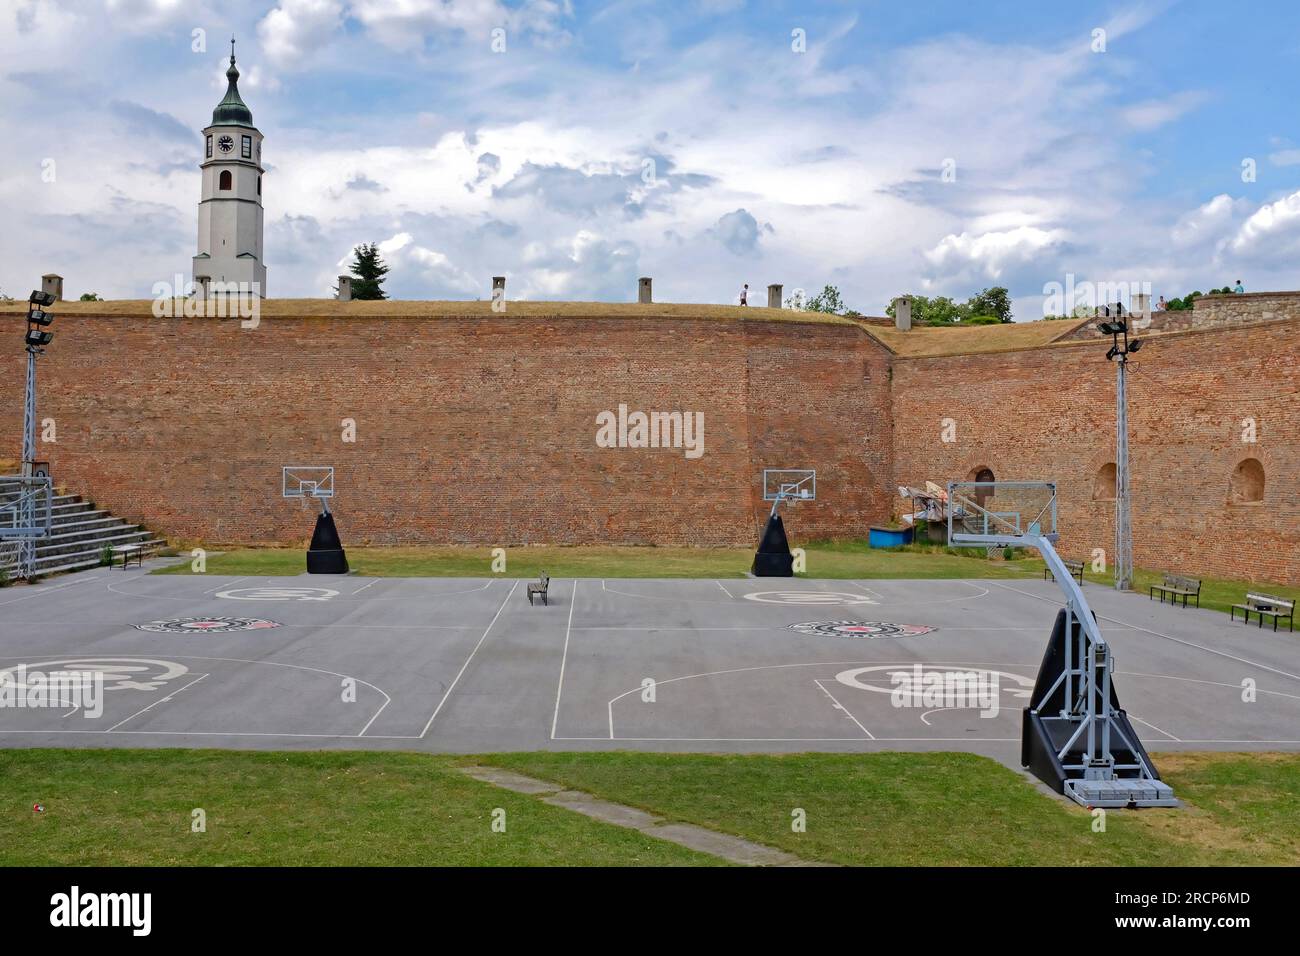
934	147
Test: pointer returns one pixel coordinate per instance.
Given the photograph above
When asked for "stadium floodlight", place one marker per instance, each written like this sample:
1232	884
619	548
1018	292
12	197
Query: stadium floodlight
39	317
41	298
34	341
37	338
1123	558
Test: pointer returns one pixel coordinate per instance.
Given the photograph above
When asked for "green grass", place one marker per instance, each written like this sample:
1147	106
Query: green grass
942	809
841	559
133	807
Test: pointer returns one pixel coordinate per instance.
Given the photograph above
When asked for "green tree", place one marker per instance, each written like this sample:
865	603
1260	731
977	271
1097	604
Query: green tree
90	297
827	300
995	302
368	271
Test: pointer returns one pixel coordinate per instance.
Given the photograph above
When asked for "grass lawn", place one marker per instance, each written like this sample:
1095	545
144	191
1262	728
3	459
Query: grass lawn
133	807
848	559
948	808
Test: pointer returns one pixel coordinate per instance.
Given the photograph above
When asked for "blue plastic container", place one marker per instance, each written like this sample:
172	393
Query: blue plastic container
889	537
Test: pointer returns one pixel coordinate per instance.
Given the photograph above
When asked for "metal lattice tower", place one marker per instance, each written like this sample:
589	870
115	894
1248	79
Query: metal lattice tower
1123	517
27	546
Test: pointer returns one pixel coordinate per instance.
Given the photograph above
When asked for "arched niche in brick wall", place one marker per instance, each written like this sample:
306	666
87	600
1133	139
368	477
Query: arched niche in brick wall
1247	484
981	473
1103	483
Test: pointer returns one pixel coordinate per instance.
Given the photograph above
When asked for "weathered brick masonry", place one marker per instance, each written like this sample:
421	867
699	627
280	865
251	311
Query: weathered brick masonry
478	430
482	429
1049	413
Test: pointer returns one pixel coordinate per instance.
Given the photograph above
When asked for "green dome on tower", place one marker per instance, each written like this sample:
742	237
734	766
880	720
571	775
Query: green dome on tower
232	111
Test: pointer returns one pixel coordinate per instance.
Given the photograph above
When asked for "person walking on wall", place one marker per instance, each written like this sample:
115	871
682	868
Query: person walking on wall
744	295
1240	287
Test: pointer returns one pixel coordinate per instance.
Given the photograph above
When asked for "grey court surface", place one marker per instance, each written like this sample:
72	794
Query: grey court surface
466	665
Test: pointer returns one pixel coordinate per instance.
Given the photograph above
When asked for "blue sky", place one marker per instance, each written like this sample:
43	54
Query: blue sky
691	142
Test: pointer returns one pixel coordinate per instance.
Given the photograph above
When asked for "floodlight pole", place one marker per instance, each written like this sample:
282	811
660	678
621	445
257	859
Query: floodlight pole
27	546
1123	516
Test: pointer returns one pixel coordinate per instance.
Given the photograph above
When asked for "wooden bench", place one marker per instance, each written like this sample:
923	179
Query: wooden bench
1265	605
1074	567
128	552
1177	586
540	588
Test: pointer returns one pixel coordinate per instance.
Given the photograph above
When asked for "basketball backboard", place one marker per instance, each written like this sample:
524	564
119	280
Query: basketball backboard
1000	512
307	481
789	484
26	506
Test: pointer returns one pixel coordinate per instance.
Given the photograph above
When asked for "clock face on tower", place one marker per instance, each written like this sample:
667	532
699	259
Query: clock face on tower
225	144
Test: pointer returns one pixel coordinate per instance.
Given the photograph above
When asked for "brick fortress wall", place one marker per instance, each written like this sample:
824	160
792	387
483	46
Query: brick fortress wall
482	430
1049	413
474	430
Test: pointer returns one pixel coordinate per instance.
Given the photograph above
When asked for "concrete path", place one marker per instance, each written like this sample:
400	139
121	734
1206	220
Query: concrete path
730	848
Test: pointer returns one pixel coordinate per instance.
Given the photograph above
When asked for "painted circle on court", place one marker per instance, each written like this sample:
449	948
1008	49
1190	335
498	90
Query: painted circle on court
206	625
272	593
862	629
885	678
118	673
808	598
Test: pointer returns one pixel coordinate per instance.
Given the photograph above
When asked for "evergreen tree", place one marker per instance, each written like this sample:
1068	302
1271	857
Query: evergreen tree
368	271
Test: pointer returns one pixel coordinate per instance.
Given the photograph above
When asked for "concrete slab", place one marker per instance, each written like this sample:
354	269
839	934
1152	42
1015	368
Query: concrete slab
466	665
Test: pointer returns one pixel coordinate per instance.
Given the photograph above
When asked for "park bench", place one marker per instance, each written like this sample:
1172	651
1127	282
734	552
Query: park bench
1265	605
128	553
539	588
1074	567
1177	586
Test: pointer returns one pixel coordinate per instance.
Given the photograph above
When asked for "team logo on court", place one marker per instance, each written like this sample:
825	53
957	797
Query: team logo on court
207	625
861	629
808	598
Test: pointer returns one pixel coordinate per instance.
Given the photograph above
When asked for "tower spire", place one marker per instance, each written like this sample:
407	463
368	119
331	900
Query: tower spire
232	50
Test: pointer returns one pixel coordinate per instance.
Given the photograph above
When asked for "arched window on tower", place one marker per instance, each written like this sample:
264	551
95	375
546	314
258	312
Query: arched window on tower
226	180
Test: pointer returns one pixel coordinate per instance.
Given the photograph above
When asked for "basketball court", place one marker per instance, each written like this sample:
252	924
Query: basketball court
466	665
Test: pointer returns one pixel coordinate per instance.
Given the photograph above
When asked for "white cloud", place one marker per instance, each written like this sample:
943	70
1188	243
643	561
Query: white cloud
992	253
294	29
1272	230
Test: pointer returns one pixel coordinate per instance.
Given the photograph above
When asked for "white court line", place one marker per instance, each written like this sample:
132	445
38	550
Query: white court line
1167	637
280	580
724	590
364	586
161	700
223	585
1147	723
859	740
564	659
468	659
227	660
43	590
983	592
843	709
767	667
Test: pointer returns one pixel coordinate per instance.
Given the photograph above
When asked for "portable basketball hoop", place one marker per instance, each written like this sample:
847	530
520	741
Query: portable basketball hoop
1074	735
316	482
773	558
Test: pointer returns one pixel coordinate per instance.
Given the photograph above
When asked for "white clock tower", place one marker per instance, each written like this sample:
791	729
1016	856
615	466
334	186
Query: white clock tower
230	209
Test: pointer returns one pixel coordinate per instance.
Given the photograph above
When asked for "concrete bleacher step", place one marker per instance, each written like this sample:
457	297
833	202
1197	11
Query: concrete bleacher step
80	532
